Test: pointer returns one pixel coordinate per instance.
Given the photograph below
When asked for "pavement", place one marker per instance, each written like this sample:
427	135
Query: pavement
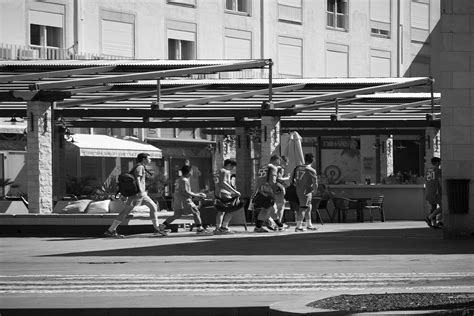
245	273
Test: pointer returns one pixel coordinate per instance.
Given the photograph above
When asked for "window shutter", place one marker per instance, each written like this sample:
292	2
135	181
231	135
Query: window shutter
290	56
118	38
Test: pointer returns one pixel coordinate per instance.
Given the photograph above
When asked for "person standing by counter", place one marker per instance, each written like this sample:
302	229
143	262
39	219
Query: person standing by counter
433	192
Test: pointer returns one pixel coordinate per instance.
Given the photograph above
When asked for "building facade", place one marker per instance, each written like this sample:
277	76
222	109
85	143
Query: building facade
335	38
305	39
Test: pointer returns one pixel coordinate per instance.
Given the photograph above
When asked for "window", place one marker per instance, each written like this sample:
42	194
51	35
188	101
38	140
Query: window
118	34
337	14
181	40
180	49
337	60
380	17
290	11
290	56
45	36
187	3
46	29
237	44
420	20
238	6
380	63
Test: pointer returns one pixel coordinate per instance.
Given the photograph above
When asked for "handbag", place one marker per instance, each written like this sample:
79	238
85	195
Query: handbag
262	201
291	195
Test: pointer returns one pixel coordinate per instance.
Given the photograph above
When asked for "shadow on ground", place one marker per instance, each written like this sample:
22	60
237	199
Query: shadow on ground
357	242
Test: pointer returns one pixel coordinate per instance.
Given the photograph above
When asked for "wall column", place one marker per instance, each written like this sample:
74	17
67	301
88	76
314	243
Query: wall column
368	158
244	162
270	138
59	157
432	145
39	157
386	156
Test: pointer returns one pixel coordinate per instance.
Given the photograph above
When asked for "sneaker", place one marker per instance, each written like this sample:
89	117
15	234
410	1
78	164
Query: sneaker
272	228
226	230
311	228
437	226
301	229
260	230
202	231
164	228
285	226
218	231
160	232
428	221
113	234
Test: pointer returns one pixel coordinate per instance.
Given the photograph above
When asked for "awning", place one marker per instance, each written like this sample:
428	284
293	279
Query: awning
108	146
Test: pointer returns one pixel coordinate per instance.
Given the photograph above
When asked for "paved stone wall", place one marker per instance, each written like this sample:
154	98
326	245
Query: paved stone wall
39	157
457	80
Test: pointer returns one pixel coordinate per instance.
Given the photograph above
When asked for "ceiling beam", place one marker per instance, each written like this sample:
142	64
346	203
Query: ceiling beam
126	96
92	89
386	109
228	97
348	94
322	126
57	74
301	124
22	95
329	132
165	124
150	75
170	113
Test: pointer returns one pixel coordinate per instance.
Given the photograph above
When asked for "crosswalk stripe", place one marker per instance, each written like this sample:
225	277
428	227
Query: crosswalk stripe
70	283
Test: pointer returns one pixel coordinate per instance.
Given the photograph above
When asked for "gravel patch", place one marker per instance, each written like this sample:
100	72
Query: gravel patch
397	302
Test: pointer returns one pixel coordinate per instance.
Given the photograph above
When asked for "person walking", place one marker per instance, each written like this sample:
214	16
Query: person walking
305	179
433	192
280	190
141	198
226	197
261	179
183	201
267	190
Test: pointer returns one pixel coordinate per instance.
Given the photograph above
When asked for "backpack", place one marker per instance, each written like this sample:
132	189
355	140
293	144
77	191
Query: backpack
127	183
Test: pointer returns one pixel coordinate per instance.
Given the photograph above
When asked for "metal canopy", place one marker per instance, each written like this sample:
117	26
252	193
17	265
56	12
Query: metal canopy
211	94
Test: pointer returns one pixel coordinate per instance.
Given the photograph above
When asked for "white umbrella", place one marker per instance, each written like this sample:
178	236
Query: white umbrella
294	152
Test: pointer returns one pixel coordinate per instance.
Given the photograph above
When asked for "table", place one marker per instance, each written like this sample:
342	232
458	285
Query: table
361	202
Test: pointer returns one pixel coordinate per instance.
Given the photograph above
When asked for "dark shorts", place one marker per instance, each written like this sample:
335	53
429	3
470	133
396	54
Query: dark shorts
228	205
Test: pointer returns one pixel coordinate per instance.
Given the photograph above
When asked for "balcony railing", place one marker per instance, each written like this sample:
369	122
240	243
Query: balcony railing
21	52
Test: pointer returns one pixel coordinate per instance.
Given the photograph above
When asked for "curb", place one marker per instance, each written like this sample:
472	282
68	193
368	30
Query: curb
299	307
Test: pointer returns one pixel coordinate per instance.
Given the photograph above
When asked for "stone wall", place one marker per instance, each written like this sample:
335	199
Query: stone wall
457	79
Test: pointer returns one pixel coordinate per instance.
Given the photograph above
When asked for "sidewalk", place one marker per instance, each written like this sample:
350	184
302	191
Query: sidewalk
239	274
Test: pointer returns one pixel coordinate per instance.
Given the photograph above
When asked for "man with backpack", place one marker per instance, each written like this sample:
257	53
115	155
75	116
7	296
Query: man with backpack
136	197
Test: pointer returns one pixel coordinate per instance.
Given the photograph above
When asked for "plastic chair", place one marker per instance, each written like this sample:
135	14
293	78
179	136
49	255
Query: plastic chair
342	206
375	204
315	202
323	204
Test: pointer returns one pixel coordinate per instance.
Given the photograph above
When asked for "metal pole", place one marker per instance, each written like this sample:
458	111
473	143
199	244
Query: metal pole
270	80
432	96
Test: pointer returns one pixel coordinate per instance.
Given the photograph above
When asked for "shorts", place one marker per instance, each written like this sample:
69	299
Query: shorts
433	198
305	199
